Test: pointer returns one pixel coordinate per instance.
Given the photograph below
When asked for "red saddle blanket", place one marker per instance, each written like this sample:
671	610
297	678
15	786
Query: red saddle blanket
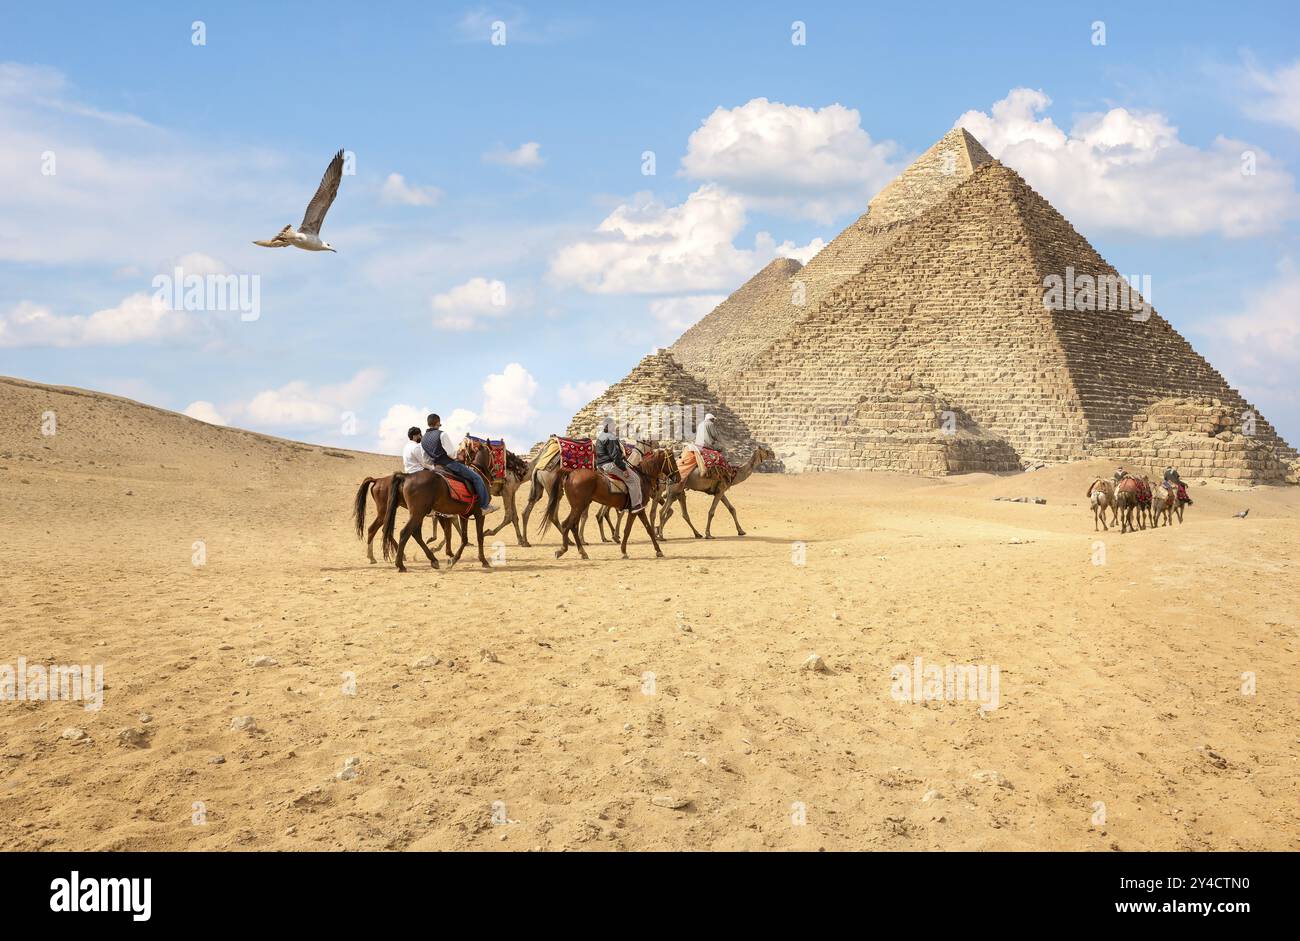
715	465
460	491
577	453
1182	494
497	450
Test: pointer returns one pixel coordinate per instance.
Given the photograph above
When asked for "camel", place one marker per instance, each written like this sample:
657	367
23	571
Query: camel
583	487
1129	494
715	487
516	474
1163	501
1101	496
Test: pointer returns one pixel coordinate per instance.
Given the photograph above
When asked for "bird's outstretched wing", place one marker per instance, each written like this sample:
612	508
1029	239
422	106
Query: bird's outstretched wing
320	204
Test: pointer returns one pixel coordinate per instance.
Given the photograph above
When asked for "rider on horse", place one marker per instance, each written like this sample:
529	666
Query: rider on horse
610	460
437	444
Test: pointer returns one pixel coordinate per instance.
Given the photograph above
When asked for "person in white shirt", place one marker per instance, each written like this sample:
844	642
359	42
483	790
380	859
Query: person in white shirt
414	458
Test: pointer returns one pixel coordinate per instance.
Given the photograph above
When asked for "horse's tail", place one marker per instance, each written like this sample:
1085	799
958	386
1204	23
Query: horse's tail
552	502
390	544
359	506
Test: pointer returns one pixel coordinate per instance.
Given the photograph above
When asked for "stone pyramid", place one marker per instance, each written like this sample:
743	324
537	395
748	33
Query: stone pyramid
769	304
956	302
925	344
660	401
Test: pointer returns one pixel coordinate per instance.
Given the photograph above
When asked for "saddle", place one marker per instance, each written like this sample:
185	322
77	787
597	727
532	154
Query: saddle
461	492
577	453
1182	494
615	485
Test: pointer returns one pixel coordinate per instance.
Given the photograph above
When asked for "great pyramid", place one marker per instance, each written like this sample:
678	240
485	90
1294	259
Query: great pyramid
923	343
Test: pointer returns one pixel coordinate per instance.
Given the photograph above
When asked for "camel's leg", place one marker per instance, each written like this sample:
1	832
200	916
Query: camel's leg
722	495
681	498
512	490
536	492
708	524
602	516
665	510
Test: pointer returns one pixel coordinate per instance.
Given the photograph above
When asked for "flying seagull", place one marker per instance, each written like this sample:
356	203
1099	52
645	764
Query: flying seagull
307	235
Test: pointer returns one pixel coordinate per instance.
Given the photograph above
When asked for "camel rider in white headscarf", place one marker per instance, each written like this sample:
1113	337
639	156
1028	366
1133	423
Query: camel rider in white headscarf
610	460
706	436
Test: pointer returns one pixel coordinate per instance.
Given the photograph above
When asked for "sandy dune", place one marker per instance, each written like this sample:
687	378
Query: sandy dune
1120	683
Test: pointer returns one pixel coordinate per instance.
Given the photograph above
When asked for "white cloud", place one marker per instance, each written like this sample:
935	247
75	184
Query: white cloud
508	399
645	247
1129	170
574	395
393	427
525	155
1275	95
1258	347
466	305
459	423
300	404
397	190
811	163
137	318
204	411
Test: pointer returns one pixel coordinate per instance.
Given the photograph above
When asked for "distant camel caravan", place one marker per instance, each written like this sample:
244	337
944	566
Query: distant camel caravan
1134	502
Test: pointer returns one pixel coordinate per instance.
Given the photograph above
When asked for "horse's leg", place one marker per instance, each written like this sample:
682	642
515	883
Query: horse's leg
566	524
722	495
464	540
419	539
412	523
578	539
478	532
375	527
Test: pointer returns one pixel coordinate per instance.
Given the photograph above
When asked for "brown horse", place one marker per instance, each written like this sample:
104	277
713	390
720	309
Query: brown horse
423	493
379	488
583	487
669	476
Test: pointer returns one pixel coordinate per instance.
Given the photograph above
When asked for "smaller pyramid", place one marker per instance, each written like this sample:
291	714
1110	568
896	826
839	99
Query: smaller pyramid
660	401
742	326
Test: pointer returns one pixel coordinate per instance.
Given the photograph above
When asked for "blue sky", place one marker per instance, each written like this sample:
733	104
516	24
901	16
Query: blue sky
502	252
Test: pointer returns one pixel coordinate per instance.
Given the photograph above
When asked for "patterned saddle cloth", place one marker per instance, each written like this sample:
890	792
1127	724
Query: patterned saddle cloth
498	451
715	465
577	453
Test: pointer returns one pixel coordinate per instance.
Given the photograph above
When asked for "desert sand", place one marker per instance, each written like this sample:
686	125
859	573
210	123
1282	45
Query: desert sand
1121	722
